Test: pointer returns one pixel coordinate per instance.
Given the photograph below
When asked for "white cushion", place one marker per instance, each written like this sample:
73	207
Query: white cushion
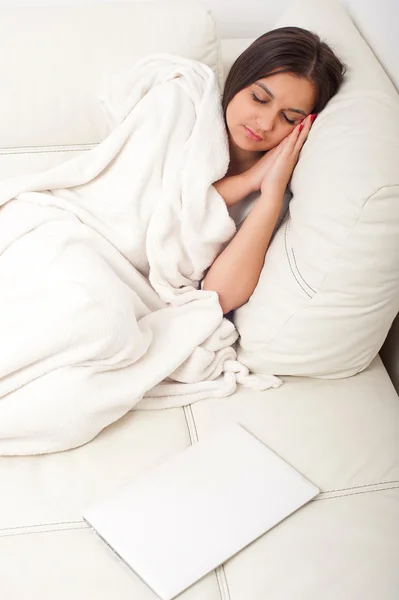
60	62
340	434
329	289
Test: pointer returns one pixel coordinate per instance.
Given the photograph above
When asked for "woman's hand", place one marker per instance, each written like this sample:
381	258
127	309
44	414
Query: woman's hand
285	157
256	174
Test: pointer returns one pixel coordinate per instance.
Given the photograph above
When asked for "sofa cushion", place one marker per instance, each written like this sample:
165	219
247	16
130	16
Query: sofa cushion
343	435
72	563
339	434
62	57
329	288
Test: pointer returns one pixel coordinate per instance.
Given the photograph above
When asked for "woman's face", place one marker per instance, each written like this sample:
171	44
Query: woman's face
264	113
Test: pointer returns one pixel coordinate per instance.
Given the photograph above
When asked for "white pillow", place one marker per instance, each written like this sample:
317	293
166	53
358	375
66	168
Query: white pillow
329	288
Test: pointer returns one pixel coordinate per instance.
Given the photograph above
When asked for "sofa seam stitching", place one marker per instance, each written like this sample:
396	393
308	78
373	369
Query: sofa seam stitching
224	591
218	582
43	531
226	582
189	429
288	227
324	492
317	499
78	148
289	262
355	487
42	525
300	274
219	570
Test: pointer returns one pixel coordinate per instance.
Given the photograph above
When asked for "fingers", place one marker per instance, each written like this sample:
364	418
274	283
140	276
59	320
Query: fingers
294	141
286	144
296	134
276	151
303	131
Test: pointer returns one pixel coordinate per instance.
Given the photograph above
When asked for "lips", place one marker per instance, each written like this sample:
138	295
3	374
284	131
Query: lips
250	133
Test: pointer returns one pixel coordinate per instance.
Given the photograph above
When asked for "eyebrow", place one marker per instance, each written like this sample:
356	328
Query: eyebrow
266	89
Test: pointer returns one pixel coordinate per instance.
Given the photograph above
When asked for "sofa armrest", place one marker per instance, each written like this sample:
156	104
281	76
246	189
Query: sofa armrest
390	353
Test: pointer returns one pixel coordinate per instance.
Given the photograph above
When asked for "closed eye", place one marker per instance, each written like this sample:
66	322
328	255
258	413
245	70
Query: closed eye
255	97
288	120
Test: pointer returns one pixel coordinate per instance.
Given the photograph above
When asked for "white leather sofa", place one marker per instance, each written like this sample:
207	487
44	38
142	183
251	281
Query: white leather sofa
342	434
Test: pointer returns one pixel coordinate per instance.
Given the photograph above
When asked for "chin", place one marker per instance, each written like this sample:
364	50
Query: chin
255	148
243	143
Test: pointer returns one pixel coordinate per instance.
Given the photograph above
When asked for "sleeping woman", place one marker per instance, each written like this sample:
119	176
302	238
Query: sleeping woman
272	95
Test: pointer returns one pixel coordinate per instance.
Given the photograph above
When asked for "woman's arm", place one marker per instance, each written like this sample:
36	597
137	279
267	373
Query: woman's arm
235	272
235	188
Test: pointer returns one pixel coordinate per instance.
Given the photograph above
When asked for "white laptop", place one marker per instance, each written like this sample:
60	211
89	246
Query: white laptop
179	520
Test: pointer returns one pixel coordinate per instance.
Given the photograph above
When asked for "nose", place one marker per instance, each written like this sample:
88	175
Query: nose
265	121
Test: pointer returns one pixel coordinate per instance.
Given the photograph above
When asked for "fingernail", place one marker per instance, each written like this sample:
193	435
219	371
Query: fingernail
300	127
313	117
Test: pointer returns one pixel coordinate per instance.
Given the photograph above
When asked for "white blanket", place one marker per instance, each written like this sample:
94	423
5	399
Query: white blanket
100	263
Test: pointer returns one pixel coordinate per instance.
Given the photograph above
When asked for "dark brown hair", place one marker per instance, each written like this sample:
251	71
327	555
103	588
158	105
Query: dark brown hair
287	50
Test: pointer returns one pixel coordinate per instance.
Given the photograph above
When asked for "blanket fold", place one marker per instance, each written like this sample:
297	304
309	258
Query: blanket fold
101	259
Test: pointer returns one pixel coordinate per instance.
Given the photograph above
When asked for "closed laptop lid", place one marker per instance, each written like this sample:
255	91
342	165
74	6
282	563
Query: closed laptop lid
186	516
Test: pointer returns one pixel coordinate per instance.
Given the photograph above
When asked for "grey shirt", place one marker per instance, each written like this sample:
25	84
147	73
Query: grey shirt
238	212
